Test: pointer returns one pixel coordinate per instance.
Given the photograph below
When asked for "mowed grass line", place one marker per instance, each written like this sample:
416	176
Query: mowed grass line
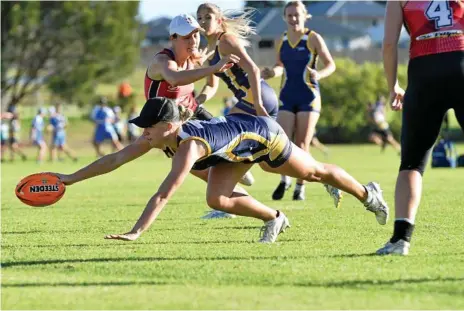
56	257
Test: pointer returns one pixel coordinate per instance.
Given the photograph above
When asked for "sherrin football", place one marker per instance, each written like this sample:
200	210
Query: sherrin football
41	189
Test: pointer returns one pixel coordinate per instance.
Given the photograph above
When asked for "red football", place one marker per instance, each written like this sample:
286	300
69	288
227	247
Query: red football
41	189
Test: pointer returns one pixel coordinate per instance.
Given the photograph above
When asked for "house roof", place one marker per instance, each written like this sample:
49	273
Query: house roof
158	28
353	9
273	25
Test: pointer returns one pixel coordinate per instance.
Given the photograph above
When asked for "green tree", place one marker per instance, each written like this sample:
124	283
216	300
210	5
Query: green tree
69	46
345	96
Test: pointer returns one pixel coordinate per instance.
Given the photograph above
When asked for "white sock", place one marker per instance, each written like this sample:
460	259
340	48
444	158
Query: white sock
369	195
286	179
300	188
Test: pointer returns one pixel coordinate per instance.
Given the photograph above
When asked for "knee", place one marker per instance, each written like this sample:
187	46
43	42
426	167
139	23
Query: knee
418	166
217	202
415	161
319	173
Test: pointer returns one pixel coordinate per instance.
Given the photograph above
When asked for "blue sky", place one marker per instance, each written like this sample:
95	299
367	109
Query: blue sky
150	9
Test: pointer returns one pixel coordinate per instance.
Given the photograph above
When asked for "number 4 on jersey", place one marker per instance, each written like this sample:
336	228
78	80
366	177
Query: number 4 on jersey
441	13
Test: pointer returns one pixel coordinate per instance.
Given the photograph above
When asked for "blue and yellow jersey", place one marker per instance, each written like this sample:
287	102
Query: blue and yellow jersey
237	81
235	77
238	138
297	86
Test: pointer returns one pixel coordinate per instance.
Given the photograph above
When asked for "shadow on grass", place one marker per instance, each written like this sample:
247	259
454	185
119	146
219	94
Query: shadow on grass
10	264
48	231
347	284
72	284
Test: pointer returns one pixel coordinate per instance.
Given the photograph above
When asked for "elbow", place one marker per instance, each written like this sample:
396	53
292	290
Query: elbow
388	47
333	67
163	195
254	71
173	82
166	194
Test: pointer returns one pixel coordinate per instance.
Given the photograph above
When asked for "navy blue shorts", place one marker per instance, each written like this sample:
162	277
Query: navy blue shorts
303	101
270	102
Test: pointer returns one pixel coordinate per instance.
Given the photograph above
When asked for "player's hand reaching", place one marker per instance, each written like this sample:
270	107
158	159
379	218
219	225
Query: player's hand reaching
226	62
202	56
65	179
129	236
396	98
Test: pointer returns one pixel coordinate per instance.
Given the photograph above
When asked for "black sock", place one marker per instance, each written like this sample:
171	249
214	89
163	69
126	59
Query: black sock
403	231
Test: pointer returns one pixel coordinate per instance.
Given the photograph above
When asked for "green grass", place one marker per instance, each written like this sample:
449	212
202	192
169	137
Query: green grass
56	257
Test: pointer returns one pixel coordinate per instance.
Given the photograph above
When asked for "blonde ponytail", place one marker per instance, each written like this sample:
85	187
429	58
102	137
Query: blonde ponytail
184	113
235	22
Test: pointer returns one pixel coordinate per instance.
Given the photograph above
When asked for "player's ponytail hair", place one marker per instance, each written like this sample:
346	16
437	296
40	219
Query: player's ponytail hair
235	22
184	113
297	4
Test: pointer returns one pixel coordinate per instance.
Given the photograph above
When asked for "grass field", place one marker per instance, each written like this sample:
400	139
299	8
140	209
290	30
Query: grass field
56	257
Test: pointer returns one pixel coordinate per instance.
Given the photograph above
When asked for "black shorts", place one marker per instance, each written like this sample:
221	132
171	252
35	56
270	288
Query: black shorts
435	85
382	133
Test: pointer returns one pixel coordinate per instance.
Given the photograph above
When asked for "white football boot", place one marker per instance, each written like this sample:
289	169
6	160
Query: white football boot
336	194
215	214
247	179
375	202
401	247
273	228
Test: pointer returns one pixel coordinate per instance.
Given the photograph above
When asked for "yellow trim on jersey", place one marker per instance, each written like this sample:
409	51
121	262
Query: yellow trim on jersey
200	139
244	136
316	102
311	63
279	141
274	148
294	45
248	96
280	42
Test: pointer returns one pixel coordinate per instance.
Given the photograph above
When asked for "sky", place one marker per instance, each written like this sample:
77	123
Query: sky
151	9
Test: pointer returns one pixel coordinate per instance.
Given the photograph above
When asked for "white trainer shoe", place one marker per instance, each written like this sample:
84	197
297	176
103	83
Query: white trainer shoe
401	247
375	202
336	194
273	228
247	179
215	214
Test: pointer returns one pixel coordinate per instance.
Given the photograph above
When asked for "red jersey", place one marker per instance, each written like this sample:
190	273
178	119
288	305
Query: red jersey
434	26
161	88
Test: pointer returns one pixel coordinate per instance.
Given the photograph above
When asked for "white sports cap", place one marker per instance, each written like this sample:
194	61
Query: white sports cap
183	25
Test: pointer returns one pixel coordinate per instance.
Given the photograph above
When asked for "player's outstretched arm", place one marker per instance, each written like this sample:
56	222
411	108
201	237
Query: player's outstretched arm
184	159
108	162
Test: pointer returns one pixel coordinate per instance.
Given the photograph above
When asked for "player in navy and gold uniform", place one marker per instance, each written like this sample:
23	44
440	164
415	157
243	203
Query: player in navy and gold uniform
237	81
170	75
229	146
298	52
229	36
299	90
435	81
238	138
